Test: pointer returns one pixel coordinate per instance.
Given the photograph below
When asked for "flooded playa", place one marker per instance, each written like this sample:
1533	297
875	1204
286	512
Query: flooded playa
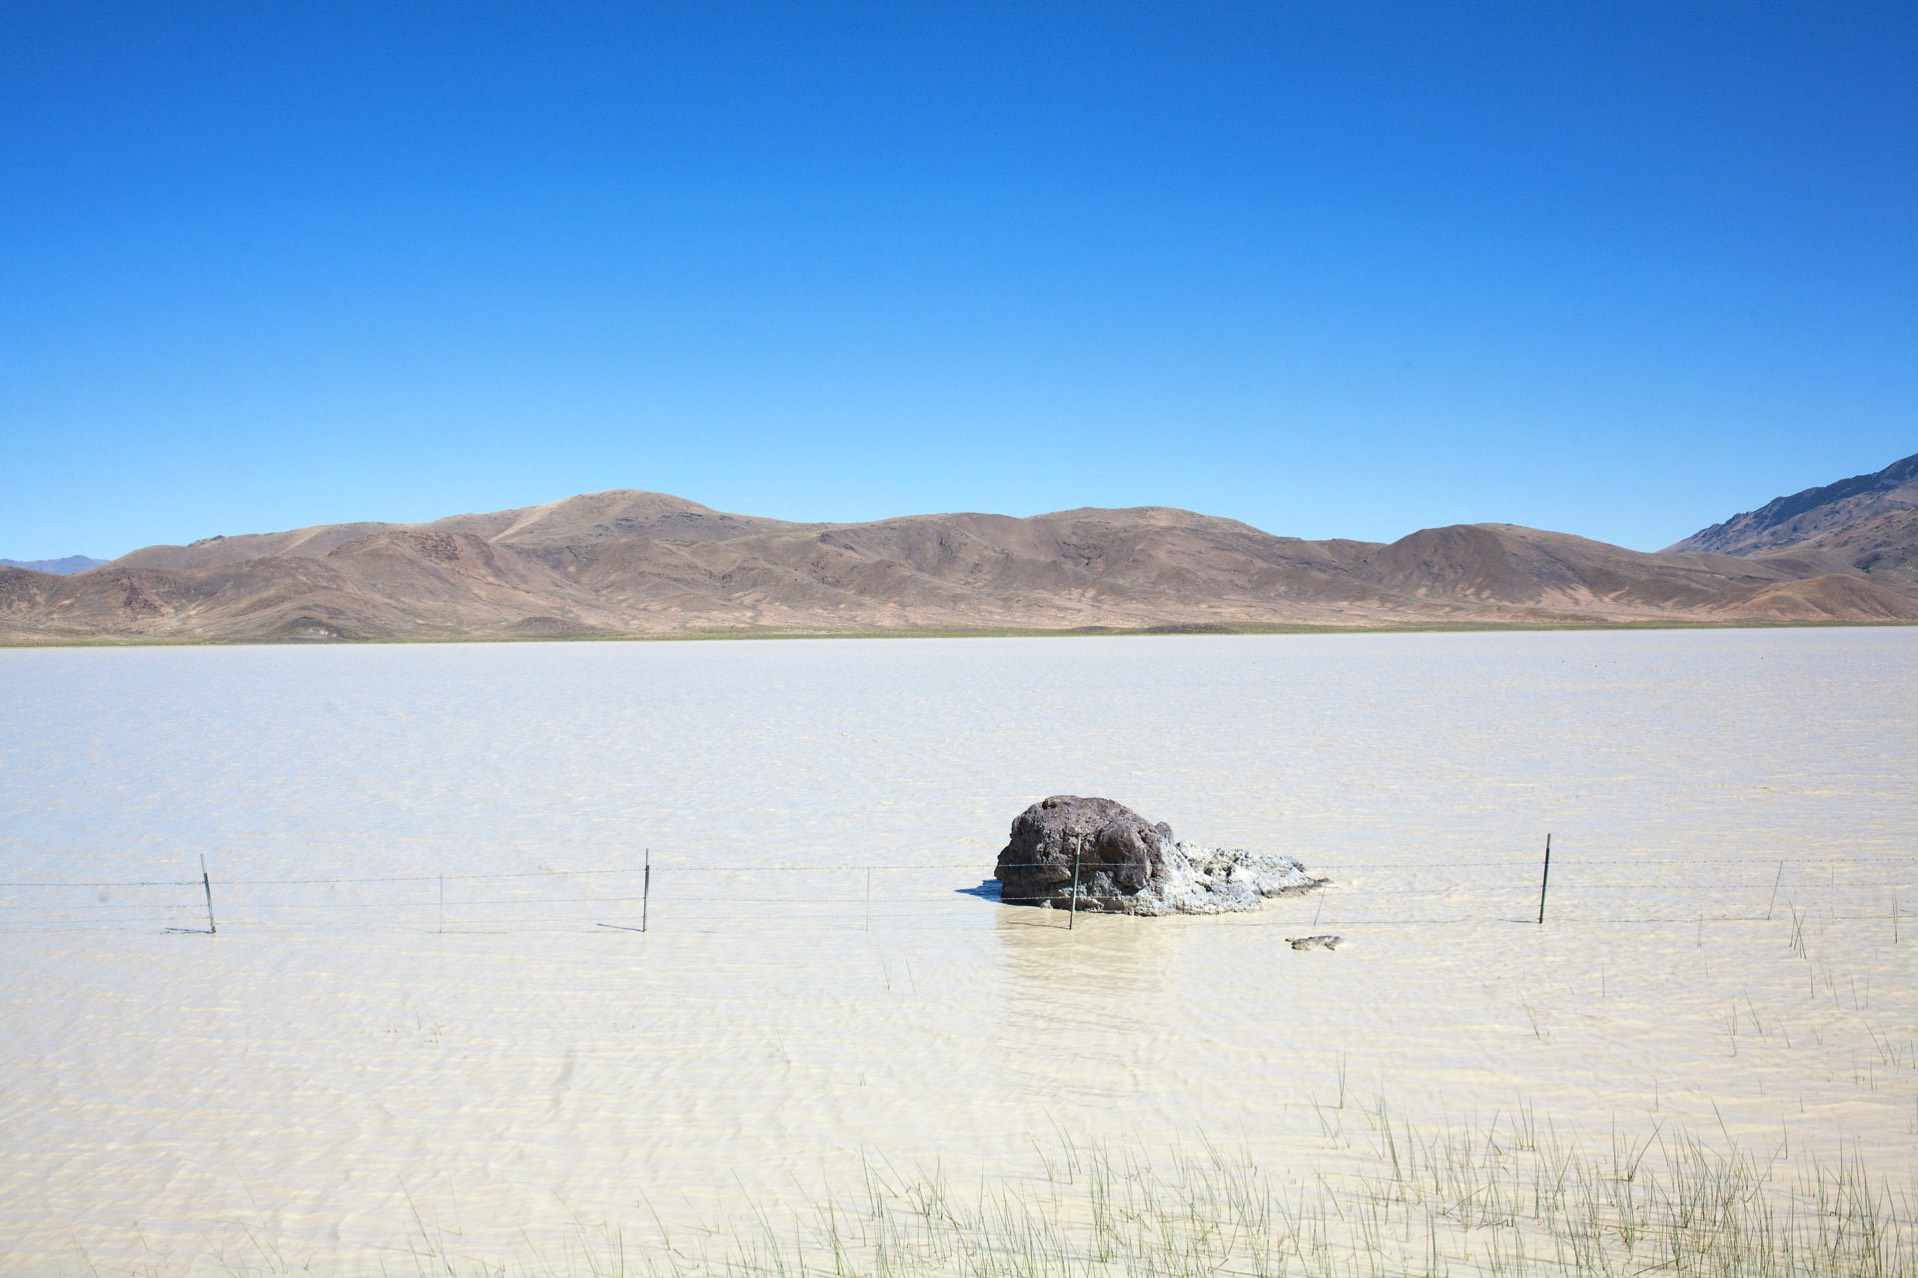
428	1011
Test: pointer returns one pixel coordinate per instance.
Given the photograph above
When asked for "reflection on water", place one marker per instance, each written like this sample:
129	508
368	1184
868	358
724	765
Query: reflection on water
1098	956
1083	1011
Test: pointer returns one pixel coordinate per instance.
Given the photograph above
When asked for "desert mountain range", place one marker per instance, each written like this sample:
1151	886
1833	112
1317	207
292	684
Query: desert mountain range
639	563
58	567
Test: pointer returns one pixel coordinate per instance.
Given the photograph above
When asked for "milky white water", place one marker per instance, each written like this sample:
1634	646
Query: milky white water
349	1065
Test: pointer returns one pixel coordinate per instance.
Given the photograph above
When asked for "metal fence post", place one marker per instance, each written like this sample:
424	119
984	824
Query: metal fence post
211	928
1072	919
1544	879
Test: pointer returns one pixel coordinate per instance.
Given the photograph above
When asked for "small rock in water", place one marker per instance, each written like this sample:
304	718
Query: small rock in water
1315	942
1128	865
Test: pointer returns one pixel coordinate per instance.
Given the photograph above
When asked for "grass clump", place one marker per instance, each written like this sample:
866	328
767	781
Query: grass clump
1499	1200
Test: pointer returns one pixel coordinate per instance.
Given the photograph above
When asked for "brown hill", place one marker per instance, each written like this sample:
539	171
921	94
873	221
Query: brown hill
633	563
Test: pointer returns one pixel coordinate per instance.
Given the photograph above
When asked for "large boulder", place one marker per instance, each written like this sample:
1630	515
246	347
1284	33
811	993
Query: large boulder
1128	865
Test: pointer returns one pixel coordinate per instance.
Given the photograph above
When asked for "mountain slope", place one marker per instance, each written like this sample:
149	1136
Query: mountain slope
635	563
1867	522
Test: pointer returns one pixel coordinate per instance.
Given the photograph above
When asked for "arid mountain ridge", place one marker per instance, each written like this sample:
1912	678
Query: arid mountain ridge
646	564
1867	522
58	567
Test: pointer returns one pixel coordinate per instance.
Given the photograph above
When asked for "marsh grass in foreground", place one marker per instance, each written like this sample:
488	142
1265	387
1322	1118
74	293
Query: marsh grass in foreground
1501	1199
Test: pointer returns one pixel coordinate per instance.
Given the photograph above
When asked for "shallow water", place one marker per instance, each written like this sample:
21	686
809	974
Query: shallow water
490	1056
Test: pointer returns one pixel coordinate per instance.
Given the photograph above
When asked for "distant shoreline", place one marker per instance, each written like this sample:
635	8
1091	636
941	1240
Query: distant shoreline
995	632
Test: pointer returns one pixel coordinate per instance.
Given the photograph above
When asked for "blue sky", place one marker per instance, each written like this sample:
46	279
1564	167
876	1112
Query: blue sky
1333	269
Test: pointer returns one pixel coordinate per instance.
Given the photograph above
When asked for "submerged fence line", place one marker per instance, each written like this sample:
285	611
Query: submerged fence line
1353	898
1516	863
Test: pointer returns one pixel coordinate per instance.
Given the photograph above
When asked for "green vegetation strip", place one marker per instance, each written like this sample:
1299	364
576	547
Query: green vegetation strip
982	632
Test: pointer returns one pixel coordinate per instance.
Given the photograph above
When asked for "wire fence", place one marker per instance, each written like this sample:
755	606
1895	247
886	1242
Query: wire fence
905	895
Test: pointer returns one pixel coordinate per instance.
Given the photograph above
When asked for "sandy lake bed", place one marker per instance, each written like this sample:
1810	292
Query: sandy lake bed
427	1019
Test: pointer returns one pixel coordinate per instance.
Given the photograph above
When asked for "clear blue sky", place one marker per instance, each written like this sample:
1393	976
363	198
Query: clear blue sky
1335	269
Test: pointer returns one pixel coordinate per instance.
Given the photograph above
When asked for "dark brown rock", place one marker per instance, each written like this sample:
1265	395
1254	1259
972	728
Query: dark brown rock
1129	865
1119	851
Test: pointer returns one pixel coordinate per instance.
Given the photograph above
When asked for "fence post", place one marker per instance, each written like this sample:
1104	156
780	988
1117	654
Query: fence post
1072	919
1544	879
211	928
646	890
1774	891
